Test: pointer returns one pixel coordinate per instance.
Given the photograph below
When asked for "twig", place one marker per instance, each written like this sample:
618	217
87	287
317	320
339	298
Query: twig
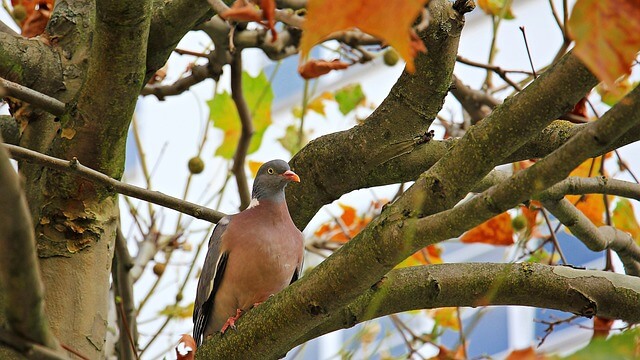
37	99
497	69
552	235
123	284
127	329
556	17
73	166
198	74
246	134
189	52
526	44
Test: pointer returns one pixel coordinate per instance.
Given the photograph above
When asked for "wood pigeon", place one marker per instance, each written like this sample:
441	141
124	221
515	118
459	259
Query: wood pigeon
252	255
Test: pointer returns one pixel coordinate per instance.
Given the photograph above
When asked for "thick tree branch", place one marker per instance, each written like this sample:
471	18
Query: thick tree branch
39	100
74	167
576	185
333	164
19	269
9	129
247	131
392	237
583	292
28	349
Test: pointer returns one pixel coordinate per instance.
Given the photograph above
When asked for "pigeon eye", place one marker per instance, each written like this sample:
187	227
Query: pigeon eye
270	171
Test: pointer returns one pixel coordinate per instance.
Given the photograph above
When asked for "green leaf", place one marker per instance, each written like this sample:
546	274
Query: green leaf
621	346
290	139
224	114
349	97
177	311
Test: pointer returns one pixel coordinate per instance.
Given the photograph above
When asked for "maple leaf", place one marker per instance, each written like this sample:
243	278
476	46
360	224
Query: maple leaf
314	68
224	114
611	95
186	348
37	20
241	11
254	166
446	317
495	231
607	36
525	354
497	8
389	21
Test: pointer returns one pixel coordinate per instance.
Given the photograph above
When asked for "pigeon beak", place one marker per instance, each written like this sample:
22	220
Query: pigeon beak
291	176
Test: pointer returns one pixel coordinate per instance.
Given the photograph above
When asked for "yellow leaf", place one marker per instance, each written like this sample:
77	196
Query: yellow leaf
607	36
254	166
592	205
496	7
610	95
447	317
624	219
389	22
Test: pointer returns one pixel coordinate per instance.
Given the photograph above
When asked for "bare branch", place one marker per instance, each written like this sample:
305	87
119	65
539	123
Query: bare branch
39	100
247	131
19	268
576	185
496	69
74	167
597	239
124	301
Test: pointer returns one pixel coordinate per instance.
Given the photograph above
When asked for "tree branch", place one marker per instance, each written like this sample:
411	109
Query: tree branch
582	292
39	100
29	349
74	167
361	153
9	129
124	301
19	269
597	239
576	185
247	131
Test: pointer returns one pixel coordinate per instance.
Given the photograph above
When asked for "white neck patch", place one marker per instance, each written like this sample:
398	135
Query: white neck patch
254	202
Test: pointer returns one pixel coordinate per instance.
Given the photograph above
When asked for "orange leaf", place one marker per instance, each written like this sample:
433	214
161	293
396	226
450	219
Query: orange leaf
601	327
607	36
269	13
425	256
348	215
495	231
525	354
241	11
36	21
624	219
186	349
314	68
580	108
390	23
591	205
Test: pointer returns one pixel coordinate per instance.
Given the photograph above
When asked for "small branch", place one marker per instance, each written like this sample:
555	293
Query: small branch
39	100
19	268
477	103
198	74
247	131
526	44
73	166
496	69
576	185
189	52
597	239
124	301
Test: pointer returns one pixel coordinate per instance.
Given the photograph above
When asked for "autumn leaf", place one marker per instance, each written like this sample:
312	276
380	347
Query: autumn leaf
446	317
425	256
314	68
580	108
624	218
349	97
254	166
525	354
607	36
290	141
610	95
349	224
495	231
601	327
242	11
36	20
177	311
269	14
497	8
591	205
391	23
224	114
619	346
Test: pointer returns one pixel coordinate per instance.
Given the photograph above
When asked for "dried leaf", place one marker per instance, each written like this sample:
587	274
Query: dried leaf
495	231
291	142
37	20
371	16
430	254
601	327
525	354
607	36
592	205
177	311
269	14
610	95
314	68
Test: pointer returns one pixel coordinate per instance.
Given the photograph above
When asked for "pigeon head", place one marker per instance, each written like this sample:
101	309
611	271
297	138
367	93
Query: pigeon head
271	179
